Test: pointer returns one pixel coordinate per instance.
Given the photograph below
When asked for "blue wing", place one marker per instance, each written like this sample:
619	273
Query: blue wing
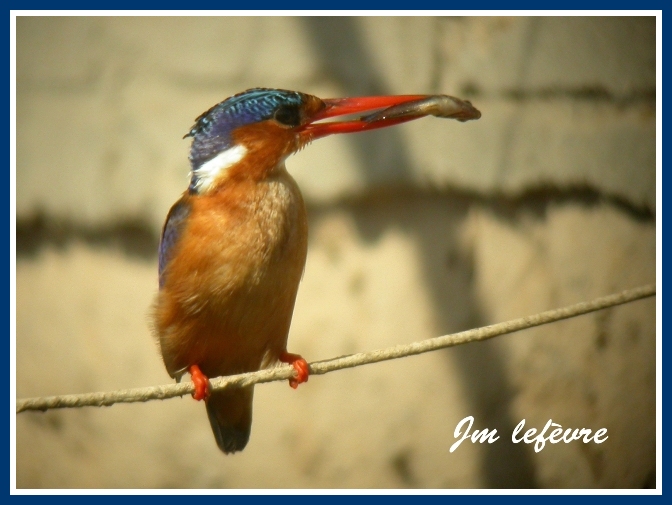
172	230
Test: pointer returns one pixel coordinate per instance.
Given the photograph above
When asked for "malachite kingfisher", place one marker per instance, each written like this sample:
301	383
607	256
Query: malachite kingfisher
233	247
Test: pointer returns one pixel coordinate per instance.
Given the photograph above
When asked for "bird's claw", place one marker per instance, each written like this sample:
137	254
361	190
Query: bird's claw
201	383
300	365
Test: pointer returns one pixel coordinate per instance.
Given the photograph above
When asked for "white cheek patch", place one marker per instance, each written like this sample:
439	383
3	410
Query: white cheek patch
208	172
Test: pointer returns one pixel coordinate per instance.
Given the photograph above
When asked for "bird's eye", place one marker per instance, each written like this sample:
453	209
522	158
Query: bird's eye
288	116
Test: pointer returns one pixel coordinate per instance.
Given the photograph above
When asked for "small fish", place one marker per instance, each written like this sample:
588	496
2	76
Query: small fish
434	105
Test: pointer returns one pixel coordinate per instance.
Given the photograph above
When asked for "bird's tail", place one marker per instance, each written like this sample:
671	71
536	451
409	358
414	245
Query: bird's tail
230	414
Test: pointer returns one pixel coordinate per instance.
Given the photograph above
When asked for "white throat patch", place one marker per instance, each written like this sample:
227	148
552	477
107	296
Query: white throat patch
209	171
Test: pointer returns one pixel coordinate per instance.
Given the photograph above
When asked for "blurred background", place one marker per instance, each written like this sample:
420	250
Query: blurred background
415	231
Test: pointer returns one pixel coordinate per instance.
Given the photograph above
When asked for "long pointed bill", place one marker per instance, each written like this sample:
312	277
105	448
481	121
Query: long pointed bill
383	111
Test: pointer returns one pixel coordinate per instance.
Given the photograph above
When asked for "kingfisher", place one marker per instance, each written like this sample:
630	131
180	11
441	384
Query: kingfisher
233	247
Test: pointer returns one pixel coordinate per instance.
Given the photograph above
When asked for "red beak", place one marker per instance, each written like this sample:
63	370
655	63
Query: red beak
367	104
383	111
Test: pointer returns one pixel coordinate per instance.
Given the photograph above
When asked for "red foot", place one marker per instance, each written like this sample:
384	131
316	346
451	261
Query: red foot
201	384
299	364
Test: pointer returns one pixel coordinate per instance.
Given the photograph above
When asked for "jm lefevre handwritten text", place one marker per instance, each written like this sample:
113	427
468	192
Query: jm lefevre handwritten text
558	434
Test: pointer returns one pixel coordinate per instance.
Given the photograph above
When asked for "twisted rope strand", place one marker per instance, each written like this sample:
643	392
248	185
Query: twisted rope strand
325	366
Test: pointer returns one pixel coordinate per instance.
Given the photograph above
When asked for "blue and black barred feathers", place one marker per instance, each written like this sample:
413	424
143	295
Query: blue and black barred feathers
212	130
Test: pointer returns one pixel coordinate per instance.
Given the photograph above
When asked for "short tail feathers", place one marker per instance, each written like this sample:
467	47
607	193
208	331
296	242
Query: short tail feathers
230	414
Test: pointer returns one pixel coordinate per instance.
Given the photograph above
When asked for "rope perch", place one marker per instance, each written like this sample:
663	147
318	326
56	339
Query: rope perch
322	367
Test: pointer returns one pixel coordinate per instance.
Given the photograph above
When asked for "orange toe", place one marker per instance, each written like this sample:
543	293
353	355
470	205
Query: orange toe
201	384
300	365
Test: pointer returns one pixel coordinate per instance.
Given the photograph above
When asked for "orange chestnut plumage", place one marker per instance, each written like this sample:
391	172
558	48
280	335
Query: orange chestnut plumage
233	247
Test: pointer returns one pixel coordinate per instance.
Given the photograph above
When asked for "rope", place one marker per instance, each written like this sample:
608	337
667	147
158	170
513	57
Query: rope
285	372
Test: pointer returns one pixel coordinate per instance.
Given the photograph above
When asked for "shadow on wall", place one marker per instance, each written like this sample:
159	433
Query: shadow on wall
338	41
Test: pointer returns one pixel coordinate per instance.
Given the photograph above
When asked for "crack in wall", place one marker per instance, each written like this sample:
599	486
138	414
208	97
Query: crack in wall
595	94
137	238
132	237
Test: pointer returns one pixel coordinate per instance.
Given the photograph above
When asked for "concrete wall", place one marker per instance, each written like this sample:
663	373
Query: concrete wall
416	231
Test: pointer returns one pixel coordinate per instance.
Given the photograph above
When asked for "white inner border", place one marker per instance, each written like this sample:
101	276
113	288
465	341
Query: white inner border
549	13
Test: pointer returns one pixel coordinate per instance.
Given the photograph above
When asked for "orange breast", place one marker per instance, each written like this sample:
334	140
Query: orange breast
231	283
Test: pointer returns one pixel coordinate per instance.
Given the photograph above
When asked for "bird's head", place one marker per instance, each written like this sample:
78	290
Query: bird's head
250	134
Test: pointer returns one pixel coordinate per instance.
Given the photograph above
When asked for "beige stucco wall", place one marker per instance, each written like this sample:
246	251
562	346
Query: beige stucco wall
417	231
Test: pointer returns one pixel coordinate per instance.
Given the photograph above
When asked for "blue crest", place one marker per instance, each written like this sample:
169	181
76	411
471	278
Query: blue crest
212	130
